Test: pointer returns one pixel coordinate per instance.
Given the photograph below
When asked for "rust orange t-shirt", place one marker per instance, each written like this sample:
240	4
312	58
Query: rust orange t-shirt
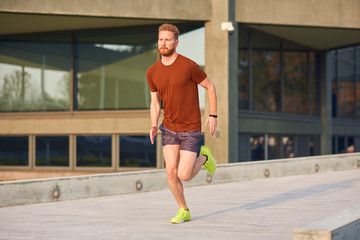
178	90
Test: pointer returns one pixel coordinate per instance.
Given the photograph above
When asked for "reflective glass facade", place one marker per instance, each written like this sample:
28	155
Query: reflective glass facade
14	151
84	70
275	75
277	80
137	151
95	70
84	73
52	151
111	71
277	146
34	76
345	77
93	151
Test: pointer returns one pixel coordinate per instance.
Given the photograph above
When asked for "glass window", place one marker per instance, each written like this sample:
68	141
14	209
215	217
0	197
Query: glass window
350	145
34	76
243	79
243	71
243	149
52	151
276	76
192	45
110	66
274	147
357	74
345	83
341	147
14	151
288	146
265	62
113	76
331	71
296	88
314	90
343	144
93	151
257	145
137	151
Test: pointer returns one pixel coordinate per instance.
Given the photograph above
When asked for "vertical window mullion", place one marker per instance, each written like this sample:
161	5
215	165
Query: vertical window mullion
336	82
355	83
73	81
282	65
308	81
251	105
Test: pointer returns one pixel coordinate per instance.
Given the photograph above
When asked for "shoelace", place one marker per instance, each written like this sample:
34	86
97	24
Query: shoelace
181	212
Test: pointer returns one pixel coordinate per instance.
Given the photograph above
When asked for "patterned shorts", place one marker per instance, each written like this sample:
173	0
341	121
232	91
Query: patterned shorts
188	141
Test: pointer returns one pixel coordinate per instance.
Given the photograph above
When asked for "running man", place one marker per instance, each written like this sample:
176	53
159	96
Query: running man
174	80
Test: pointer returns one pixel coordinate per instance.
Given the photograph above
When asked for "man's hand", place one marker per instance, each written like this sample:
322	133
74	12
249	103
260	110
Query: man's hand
153	132
212	122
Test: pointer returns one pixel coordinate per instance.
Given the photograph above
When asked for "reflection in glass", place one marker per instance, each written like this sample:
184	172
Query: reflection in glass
257	145
243	70
313	89
192	45
52	151
34	76
137	151
275	75
341	145
288	146
266	80
295	99
357	74
113	76
345	83
273	147
350	145
243	78
93	151
14	151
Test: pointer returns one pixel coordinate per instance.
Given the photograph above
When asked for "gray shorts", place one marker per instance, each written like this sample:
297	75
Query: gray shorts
188	141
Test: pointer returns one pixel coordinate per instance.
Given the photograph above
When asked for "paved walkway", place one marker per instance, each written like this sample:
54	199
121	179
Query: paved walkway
258	209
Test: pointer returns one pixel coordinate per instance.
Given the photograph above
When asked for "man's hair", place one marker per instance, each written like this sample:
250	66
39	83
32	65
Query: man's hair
170	28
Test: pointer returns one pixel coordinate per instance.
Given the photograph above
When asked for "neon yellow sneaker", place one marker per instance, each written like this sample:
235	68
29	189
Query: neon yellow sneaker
210	164
182	215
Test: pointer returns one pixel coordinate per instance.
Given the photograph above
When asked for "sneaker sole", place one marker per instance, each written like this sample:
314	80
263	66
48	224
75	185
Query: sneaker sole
180	222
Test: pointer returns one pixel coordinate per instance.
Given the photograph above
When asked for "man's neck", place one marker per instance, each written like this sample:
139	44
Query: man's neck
168	60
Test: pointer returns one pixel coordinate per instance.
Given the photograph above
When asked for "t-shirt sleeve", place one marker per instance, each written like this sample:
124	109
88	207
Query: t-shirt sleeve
197	74
150	81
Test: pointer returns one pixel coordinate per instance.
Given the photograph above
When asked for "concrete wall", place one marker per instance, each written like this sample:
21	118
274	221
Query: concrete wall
158	9
320	13
68	188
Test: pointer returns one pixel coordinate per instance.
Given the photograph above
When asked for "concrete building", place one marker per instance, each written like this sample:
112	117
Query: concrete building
74	97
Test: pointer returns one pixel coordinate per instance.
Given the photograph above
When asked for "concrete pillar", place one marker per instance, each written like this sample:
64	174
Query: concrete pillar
221	67
326	105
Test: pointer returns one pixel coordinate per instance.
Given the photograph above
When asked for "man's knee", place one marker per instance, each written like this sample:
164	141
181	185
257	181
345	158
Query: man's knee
184	176
172	173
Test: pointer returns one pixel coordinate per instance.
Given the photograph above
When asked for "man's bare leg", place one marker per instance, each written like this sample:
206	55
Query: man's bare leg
171	155
189	165
181	165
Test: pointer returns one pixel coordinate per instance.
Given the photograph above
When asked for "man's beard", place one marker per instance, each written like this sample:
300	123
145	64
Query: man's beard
166	51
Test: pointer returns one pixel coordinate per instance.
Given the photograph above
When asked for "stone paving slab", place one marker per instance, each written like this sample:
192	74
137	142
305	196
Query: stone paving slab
259	209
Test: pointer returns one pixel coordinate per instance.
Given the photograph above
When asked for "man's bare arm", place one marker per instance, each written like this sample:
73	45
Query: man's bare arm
155	108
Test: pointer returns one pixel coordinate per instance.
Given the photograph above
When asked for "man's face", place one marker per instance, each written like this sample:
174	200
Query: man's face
167	43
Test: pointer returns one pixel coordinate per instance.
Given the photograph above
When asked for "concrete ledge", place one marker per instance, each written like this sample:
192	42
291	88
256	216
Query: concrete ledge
68	188
344	225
